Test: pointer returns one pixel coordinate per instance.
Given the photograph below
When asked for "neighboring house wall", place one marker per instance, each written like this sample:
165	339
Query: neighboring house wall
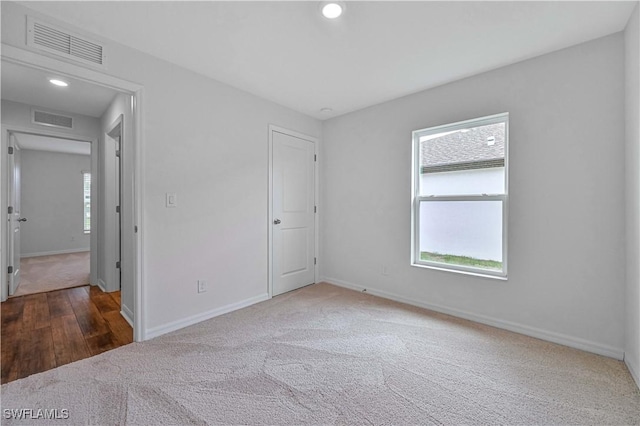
566	221
52	202
207	142
474	230
463	182
462	228
632	155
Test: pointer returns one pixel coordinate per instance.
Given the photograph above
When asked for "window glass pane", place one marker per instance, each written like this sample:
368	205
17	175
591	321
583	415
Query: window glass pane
464	233
463	162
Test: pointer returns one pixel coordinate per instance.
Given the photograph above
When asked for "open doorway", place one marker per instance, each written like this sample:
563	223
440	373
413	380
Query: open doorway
50	197
66	325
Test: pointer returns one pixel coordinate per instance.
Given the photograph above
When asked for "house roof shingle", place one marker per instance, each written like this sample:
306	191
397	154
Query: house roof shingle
464	149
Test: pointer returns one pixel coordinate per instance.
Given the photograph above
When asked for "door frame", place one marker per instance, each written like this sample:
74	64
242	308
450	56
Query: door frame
31	59
316	219
14	197
5	181
113	131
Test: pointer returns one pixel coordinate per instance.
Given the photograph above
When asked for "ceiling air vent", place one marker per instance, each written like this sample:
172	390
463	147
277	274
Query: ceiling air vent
50	119
63	43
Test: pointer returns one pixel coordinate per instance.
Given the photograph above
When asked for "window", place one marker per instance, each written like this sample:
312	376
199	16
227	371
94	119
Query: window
86	178
460	187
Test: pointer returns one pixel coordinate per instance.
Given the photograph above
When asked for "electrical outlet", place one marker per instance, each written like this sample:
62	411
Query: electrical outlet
384	270
202	286
171	199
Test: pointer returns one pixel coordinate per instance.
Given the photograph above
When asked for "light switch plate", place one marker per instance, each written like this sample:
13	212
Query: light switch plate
172	199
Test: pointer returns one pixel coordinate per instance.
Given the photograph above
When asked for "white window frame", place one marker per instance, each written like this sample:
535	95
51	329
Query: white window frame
416	198
84	212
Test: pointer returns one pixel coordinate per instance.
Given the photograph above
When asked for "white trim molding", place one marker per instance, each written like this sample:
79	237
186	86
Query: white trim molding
194	319
418	198
549	336
54	252
633	369
127	314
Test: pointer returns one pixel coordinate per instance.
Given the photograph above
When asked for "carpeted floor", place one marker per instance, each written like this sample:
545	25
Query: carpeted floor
326	355
54	272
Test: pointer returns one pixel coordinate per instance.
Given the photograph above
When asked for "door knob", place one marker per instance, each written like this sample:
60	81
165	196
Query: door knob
22	219
276	222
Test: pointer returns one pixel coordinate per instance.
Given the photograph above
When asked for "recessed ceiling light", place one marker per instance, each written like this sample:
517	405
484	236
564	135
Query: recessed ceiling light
58	82
326	110
332	10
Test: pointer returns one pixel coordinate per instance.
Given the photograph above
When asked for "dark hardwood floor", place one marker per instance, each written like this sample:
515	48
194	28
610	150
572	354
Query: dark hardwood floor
46	330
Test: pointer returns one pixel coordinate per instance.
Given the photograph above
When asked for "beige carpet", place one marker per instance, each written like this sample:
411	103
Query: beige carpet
326	355
47	273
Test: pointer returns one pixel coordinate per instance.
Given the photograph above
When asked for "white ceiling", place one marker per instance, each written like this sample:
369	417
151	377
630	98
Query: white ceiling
286	52
31	86
45	143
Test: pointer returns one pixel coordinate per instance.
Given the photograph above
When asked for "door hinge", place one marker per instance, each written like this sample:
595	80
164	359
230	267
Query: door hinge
117	209
10	209
315	260
10	270
315	157
10	150
315	209
135	229
117	265
118	153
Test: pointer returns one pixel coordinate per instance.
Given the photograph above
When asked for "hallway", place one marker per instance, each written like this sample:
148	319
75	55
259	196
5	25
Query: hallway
46	330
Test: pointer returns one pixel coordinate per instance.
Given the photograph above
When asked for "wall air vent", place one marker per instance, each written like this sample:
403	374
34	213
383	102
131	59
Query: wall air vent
63	43
50	119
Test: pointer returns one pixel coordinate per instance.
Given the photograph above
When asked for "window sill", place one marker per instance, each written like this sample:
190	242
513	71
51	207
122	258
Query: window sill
459	271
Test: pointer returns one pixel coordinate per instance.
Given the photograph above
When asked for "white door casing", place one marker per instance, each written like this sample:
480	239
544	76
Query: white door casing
292	212
134	169
109	247
14	214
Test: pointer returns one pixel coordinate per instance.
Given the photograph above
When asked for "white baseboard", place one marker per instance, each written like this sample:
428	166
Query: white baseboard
550	336
102	285
127	314
51	253
176	325
633	369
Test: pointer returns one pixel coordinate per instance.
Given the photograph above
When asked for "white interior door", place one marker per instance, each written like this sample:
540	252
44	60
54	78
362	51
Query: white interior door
293	210
14	215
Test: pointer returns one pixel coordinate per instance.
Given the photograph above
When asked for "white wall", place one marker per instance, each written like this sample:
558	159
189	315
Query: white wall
566	224
632	155
52	201
463	182
207	142
462	229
